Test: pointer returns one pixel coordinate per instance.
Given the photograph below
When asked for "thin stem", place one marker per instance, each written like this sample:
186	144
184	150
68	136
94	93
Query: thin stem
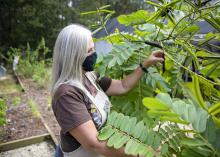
159	30
190	71
210	7
188	16
103	25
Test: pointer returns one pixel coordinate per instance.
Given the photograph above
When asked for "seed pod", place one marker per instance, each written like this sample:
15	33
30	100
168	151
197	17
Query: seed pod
163	64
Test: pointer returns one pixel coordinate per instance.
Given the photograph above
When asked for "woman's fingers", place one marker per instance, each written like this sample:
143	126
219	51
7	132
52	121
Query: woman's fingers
158	53
160	60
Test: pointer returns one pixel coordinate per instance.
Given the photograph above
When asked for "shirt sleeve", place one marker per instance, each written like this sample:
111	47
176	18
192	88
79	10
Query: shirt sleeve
71	111
104	82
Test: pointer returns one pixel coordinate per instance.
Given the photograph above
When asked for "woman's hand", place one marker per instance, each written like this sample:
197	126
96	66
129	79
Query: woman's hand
119	87
156	56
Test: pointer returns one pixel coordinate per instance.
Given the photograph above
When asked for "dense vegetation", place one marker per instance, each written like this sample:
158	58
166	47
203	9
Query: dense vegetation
175	109
23	21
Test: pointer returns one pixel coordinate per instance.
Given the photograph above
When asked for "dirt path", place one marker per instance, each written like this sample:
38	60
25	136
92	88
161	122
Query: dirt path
42	98
23	120
21	123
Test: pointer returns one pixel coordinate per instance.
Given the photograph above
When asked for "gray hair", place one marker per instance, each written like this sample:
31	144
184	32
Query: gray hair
69	53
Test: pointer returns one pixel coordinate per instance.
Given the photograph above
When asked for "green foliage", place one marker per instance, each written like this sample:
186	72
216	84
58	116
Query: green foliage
177	111
134	18
49	101
31	20
121	130
42	75
191	78
3	109
16	101
34	109
33	63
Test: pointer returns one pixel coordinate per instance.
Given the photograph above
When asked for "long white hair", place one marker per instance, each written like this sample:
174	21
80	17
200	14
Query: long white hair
69	53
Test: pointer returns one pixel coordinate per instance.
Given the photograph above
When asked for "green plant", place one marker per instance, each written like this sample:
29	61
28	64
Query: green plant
34	109
49	101
33	63
41	75
16	101
3	109
137	138
190	78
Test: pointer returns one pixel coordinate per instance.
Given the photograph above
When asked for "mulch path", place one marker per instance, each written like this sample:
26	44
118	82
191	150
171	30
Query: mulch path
21	122
42	97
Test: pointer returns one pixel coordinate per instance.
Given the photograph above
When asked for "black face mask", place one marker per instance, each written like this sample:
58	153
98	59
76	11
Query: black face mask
89	63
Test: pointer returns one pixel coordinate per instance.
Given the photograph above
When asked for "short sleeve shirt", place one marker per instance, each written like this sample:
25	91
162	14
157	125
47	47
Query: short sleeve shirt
72	108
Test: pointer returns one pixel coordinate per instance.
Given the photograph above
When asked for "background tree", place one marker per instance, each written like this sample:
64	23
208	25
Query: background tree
25	21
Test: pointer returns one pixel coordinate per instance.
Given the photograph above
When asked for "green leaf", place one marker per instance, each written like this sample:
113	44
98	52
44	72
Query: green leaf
123	125
142	149
113	138
190	153
119	120
144	135
200	123
132	123
134	18
164	149
212	69
173	119
214	107
178	107
105	133
192	115
156	143
150	137
121	141
150	153
191	29
164	97
210	132
216	121
208	38
214	113
203	151
198	92
112	62
129	146
192	142
112	118
155	104
156	113
139	128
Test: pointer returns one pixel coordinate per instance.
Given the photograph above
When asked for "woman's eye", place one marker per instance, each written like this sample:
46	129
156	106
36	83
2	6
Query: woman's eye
90	50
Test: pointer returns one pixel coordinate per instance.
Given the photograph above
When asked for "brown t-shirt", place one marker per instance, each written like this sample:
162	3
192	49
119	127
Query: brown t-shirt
72	107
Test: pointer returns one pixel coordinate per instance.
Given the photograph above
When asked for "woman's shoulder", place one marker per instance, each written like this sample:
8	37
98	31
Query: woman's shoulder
69	90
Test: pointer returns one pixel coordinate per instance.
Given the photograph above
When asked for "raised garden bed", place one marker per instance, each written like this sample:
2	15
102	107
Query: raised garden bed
28	115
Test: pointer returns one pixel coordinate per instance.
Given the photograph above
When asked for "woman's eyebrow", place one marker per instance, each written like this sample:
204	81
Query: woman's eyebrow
90	49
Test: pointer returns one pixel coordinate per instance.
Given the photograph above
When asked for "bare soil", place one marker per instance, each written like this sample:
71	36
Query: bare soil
21	121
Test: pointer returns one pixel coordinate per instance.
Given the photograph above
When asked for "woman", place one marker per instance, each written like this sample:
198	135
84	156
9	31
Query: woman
79	96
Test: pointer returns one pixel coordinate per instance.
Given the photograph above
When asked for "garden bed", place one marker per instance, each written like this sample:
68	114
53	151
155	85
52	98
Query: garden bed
21	122
9	85
28	114
43	99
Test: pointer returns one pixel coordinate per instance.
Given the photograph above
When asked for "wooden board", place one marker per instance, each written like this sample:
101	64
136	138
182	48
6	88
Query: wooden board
24	142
